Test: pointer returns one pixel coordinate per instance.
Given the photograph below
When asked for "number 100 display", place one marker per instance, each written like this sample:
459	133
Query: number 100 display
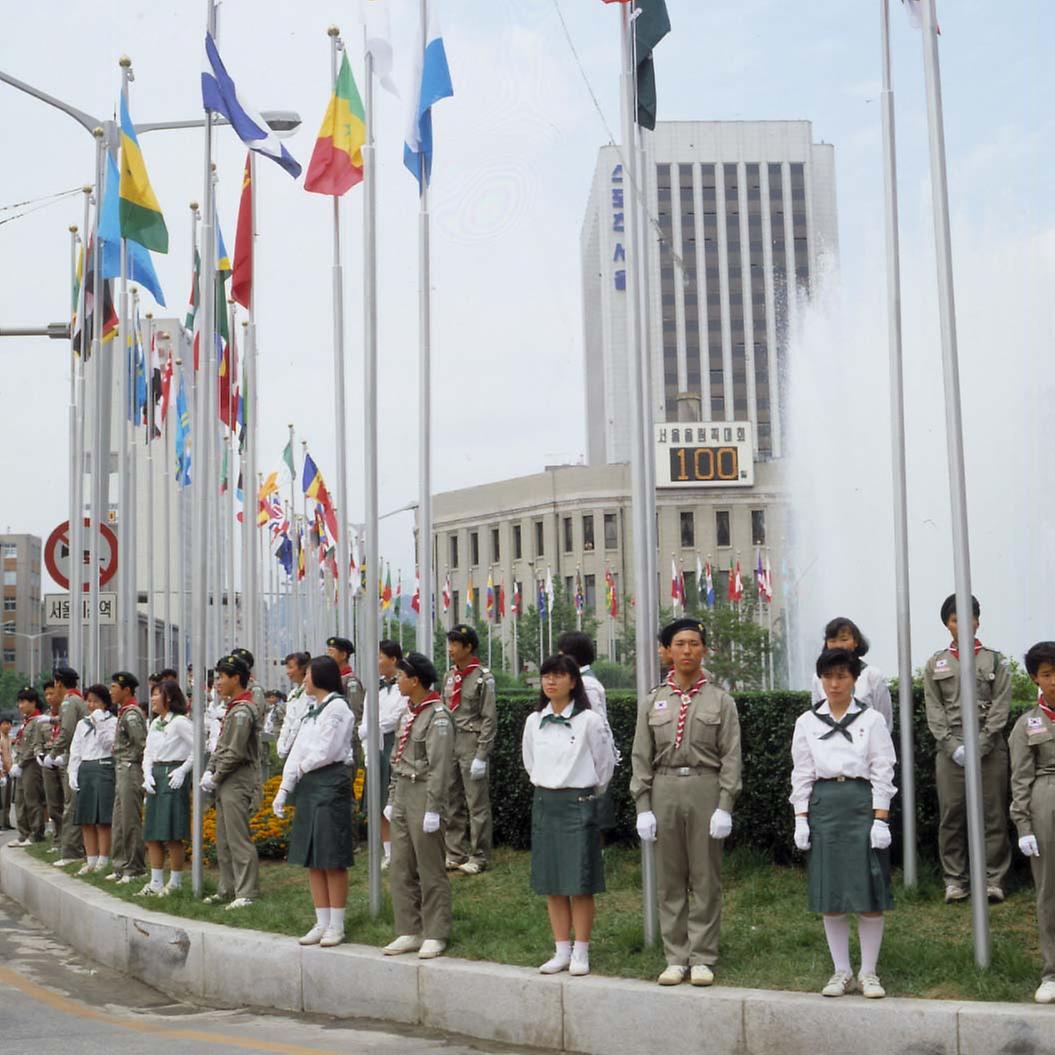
704	465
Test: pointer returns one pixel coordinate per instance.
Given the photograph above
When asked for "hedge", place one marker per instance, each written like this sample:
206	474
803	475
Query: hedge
763	819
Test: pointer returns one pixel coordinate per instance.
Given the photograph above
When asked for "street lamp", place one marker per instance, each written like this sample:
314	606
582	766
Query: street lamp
32	639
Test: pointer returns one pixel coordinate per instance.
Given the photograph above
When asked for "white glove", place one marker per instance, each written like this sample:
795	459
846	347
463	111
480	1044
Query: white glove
880	834
49	762
802	833
3	781
387	813
176	778
959	755
478	770
16	771
721	824
1028	845
74	785
646	826
208	781
278	807
148	783
430	823
60	762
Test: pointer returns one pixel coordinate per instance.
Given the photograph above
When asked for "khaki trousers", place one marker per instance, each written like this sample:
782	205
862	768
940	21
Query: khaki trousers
235	850
421	891
29	802
469	802
1042	810
952	822
128	852
72	837
52	779
688	866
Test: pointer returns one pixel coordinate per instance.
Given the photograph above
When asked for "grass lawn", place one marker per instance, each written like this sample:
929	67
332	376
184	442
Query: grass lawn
769	940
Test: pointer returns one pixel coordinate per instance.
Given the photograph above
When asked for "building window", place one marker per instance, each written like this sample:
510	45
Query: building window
758	527
10	578
518	545
453	555
540	546
9	549
688	530
721	527
9	604
474	549
9	655
611	532
566	524
589	591
496	547
587	532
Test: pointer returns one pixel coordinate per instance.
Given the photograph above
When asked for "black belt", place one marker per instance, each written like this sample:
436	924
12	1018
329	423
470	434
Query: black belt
842	780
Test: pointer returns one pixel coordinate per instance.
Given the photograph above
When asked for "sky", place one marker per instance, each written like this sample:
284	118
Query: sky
514	156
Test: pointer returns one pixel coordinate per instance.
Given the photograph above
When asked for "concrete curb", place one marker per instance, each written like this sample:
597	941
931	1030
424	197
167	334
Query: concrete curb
231	967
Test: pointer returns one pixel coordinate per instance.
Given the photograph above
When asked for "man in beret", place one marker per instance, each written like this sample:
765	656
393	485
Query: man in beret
72	708
685	782
129	853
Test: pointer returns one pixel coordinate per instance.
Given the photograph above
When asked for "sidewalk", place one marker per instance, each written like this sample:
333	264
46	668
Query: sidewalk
231	967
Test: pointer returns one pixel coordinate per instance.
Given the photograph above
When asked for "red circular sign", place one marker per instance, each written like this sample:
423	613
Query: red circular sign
57	554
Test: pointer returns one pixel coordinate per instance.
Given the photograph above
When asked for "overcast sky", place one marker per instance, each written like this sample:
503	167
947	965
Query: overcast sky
515	151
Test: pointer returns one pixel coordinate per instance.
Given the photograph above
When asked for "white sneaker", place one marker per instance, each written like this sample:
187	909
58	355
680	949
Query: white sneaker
701	974
333	936
840	983
314	936
150	891
471	868
385	863
125	880
404	943
64	862
579	967
84	869
431	948
673	974
239	902
870	986
171	888
213	899
555	964
1046	993
19	842
102	868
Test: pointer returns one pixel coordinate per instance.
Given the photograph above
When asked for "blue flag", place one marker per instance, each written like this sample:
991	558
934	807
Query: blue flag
284	553
431	81
541	599
137	372
183	450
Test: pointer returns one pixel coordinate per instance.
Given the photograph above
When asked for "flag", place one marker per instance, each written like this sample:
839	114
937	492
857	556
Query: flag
760	574
287	457
379	42
415	600
469	614
397	601
730	594
708	578
284	553
218	93
489	603
302	566
337	161
386	592
195	295
78	280
675	586
541	602
166	390
183	452
84	333
447	594
140	267
502	601
611	601
739	585
914	10
430	82
242	276
269	486
549	590
137	370
140	213
227	381
769	582
515	607
315	488
580	597
651	25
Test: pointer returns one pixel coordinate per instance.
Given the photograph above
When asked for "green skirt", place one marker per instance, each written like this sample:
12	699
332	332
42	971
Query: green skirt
845	873
321	836
565	842
95	792
167	815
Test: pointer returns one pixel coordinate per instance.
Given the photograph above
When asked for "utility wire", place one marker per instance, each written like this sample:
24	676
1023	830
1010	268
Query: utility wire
40	203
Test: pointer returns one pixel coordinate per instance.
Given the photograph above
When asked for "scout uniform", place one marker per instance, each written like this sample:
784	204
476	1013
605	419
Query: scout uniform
686	764
51	776
391	706
260	704
169	750
29	743
91	768
129	854
469	694
71	711
7	789
941	688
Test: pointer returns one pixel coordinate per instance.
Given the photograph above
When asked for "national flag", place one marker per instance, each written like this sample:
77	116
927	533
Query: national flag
315	488
189	323
242	275
386	592
541	602
430	82
580	596
611	601
379	42
502	601
139	266
651	25
447	594
337	161
397	601
137	370
739	586
287	457
760	574
219	94
489	602
355	579
469	597
768	578
708	578
415	600
75	292
226	406
183	450
284	553
141	219
914	10
83	335
730	594
166	390
269	486
675	586
516	605
302	566
549	590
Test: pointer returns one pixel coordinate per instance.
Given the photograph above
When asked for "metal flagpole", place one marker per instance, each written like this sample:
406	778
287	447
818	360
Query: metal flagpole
897	399
251	601
183	564
250	502
77	451
233	459
957	486
260	572
310	629
291	516
148	366
166	512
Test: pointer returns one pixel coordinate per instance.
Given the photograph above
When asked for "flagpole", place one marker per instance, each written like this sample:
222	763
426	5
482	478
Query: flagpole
166	537
295	538
148	367
182	564
132	565
233	457
75	646
250	597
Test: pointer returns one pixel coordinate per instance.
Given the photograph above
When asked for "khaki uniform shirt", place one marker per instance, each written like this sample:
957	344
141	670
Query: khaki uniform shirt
35	737
5	752
1032	744
941	690
711	741
477	713
238	744
428	755
130	740
354	694
71	711
259	700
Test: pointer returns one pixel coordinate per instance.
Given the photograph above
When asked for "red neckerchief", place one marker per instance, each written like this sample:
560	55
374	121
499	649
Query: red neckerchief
1043	705
404	736
460	674
686	699
346	670
55	728
74	692
125	707
242	697
954	648
22	730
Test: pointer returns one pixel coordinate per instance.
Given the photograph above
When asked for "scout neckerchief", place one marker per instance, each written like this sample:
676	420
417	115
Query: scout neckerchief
843	724
127	707
1043	705
686	699
25	722
346	670
404	736
90	722
559	719
460	674
954	648
317	708
386	683
242	697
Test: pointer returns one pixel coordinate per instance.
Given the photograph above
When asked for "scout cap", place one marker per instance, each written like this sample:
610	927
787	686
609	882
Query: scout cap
418	666
29	693
948	608
342	644
235	665
67	677
244	655
464	635
668	633
125	680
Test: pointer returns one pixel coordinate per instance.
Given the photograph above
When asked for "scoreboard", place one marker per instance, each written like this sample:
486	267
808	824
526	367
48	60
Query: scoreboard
704	454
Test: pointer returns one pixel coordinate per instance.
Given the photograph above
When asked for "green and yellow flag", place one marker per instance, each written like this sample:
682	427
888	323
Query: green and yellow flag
141	219
337	160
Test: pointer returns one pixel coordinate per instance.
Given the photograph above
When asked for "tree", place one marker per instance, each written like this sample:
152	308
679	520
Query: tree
564	618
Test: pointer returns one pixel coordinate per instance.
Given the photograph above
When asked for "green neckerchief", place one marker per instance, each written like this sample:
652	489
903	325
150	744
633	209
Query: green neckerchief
559	719
317	708
844	723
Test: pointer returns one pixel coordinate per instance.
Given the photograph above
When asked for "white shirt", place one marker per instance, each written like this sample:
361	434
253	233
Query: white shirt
598	703
296	707
169	739
391	706
871	688
92	740
578	755
324	738
868	754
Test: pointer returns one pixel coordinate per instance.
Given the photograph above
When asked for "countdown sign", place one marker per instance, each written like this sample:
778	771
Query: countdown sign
704	454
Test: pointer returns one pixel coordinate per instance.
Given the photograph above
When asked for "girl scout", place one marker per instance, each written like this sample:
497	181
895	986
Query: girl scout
91	776
841	787
314	779
567	751
167	759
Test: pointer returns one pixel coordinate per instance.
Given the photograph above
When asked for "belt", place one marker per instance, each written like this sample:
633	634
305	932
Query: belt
842	780
680	771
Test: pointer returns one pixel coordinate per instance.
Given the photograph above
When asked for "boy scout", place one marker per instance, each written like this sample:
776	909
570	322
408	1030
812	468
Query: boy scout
27	748
1032	745
50	774
341	650
469	693
234	776
128	853
941	687
72	709
417	808
685	782
255	689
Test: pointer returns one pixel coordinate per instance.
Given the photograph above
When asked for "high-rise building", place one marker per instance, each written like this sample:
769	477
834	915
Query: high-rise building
20	558
740	217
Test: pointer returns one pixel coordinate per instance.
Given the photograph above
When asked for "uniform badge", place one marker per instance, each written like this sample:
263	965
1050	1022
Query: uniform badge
660	705
1034	724
941	664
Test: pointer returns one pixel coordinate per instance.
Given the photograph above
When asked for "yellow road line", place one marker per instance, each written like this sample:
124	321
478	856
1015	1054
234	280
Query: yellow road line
72	1007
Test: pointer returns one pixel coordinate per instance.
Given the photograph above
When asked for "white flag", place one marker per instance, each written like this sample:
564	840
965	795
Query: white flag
379	41
549	590
914	9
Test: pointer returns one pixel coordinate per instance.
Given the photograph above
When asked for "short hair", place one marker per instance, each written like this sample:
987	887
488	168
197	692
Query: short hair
563	664
6	718
463	634
173	696
325	674
49	684
274	694
234	666
302	659
153	679
30	695
392	649
168	674
838	659
840	623
417	665
578	645
102	694
948	607
125	679
66	677
1041	652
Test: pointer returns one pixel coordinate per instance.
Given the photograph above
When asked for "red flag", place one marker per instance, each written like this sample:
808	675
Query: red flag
227	401
738	584
502	601
415	601
731	592
242	276
166	389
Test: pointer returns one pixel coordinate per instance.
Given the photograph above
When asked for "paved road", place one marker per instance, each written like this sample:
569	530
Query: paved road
55	1002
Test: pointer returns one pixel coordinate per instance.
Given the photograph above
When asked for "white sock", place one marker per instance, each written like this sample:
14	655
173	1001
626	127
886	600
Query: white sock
157	877
581	951
837	931
563	950
175	879
388	850
103	861
92	862
322	916
337	919
870	931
